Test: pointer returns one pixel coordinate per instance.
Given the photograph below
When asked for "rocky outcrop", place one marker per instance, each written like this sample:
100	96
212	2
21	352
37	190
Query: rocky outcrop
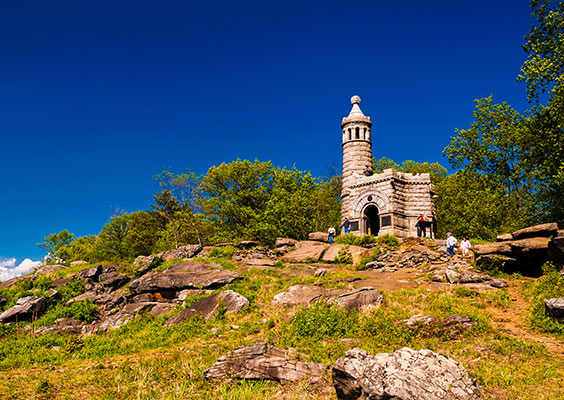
405	374
304	295
356	252
301	295
210	306
26	309
177	281
359	299
306	251
554	308
49	269
181	252
525	250
281	242
427	325
70	326
319	237
193	266
556	249
262	361
247	244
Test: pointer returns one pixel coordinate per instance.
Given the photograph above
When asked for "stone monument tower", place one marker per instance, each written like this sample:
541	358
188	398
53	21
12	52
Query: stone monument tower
390	202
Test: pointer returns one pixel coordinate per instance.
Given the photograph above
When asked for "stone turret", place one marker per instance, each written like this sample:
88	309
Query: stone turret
389	202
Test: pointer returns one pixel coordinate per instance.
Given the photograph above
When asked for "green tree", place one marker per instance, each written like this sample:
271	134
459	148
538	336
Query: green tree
56	243
82	248
234	196
469	204
142	233
111	244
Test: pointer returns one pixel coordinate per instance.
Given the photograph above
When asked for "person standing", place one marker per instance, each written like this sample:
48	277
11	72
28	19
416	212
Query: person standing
331	232
421	228
465	246
347	226
450	243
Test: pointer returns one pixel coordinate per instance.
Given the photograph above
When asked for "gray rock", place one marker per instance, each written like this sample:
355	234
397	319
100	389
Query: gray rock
3	300
209	307
193	266
320	272
359	299
305	251
90	273
504	237
188	251
543	230
405	374
49	269
247	244
262	361
298	295
26	309
319	237
556	249
281	242
554	308
70	326
146	263
176	281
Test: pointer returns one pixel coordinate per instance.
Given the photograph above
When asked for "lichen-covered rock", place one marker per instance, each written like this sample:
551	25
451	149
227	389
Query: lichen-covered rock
187	251
49	269
554	308
306	251
359	299
319	237
543	230
299	295
405	374
26	309
176	281
281	242
262	361
210	306
90	273
356	252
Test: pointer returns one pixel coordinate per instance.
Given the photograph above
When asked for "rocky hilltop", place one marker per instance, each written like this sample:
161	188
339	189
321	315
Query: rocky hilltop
275	296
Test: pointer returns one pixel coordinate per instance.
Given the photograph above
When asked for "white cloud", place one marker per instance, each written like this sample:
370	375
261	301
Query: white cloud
9	269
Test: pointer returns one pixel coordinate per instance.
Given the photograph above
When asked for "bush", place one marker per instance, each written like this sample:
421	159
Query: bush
388	240
322	319
344	256
223	252
550	285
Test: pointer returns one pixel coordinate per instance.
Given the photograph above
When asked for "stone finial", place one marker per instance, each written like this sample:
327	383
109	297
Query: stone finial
355	100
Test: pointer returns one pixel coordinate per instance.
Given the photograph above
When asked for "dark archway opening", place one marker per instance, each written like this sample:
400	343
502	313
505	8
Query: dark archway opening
371	221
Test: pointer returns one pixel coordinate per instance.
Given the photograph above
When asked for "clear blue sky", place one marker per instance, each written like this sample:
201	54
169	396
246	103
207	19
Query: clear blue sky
98	96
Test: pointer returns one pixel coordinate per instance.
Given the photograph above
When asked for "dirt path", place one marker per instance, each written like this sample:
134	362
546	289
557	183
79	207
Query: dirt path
512	321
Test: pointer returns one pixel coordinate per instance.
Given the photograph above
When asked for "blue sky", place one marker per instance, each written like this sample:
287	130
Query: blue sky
97	97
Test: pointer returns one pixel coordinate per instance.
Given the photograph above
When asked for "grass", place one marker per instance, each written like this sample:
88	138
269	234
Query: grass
146	360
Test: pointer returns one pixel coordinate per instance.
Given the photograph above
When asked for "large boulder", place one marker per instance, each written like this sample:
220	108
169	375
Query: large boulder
359	299
210	306
193	266
146	263
299	295
90	273
187	251
49	269
306	251
556	249
543	230
356	252
555	308
281	242
177	281
405	374
26	309
263	361
319	237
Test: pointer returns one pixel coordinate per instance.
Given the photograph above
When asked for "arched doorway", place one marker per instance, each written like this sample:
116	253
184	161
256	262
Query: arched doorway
371	220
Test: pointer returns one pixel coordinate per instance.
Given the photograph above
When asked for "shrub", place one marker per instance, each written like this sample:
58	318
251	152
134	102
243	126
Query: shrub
550	285
322	319
223	252
344	256
388	240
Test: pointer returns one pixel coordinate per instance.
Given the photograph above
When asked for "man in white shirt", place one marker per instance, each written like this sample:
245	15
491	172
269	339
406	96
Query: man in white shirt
450	243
